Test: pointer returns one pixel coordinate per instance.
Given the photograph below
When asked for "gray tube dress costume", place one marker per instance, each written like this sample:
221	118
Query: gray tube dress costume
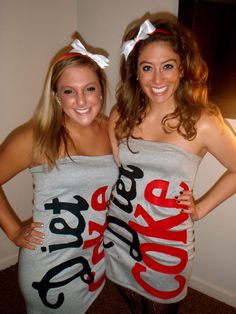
149	241
67	273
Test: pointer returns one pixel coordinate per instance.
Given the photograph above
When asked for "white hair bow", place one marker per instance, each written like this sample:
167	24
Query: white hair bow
145	29
101	60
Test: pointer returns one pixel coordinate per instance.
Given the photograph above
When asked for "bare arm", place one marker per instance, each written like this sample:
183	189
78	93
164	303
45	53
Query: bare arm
220	141
15	156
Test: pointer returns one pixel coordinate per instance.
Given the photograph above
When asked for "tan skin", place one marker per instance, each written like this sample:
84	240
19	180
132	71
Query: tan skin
159	74
88	132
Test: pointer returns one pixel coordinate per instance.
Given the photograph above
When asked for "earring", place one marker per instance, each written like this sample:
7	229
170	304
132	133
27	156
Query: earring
101	97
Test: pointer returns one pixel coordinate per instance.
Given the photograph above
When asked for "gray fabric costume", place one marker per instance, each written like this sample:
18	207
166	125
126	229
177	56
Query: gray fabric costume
67	273
149	241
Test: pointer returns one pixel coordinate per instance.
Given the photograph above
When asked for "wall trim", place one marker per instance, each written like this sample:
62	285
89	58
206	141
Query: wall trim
213	291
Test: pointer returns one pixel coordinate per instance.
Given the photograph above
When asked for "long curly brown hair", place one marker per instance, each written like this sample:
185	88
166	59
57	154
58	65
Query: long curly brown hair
191	95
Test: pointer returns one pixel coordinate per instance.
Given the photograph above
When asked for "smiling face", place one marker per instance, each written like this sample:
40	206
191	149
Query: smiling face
158	72
79	92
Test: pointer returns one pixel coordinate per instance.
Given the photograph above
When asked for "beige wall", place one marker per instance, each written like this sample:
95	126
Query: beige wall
214	270
31	32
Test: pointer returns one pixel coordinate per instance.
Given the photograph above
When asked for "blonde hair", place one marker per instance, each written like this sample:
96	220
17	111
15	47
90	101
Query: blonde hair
49	132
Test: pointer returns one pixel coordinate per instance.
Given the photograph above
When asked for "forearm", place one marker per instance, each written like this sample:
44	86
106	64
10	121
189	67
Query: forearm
224	188
9	221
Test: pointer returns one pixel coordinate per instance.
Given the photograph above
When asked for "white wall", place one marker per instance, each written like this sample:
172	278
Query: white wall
31	32
214	270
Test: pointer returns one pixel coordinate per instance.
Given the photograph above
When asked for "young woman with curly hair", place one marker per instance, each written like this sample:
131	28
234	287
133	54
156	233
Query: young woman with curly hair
161	127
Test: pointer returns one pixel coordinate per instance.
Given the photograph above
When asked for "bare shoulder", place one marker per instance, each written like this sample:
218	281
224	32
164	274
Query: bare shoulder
113	118
218	139
22	136
114	115
211	124
16	151
104	122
